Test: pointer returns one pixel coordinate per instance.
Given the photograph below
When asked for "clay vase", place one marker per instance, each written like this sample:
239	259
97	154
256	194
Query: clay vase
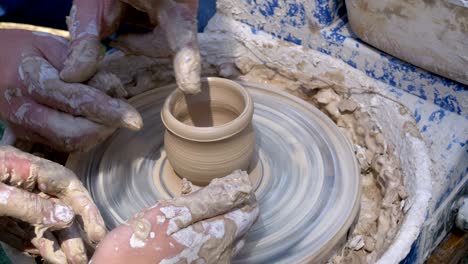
209	135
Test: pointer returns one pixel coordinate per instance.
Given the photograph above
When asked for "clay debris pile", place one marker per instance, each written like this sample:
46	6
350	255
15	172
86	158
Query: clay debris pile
383	194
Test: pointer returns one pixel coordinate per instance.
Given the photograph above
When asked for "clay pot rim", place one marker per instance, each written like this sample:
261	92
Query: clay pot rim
209	134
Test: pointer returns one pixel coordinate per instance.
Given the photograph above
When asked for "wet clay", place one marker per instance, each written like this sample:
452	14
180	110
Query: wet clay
200	116
141	231
209	134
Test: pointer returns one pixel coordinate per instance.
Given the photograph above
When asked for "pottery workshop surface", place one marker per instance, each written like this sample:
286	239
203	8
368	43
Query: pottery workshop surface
407	127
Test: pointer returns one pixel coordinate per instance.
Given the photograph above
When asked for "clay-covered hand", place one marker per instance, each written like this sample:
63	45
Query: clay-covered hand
50	203
205	226
174	27
39	106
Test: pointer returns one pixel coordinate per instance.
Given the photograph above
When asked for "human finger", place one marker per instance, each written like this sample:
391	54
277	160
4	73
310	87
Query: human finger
30	208
82	59
45	86
72	244
71	241
49	248
178	20
220	196
62	183
62	131
55	180
243	219
88	22
214	239
52	47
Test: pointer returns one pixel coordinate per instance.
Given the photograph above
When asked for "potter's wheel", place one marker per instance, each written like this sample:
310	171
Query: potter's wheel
304	173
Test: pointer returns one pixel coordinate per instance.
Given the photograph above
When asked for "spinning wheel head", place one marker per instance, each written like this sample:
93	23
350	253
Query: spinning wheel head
304	173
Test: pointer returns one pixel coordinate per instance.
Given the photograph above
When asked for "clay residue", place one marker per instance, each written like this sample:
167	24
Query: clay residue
141	229
382	185
188	187
221	195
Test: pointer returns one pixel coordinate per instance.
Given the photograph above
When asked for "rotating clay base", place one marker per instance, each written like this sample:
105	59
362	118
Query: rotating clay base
209	135
167	180
304	172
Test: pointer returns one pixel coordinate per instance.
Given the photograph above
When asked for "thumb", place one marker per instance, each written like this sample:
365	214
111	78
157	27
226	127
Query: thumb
89	21
85	48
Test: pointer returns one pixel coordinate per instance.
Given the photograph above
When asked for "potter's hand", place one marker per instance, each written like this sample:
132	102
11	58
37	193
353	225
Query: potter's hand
52	200
92	20
205	226
40	107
